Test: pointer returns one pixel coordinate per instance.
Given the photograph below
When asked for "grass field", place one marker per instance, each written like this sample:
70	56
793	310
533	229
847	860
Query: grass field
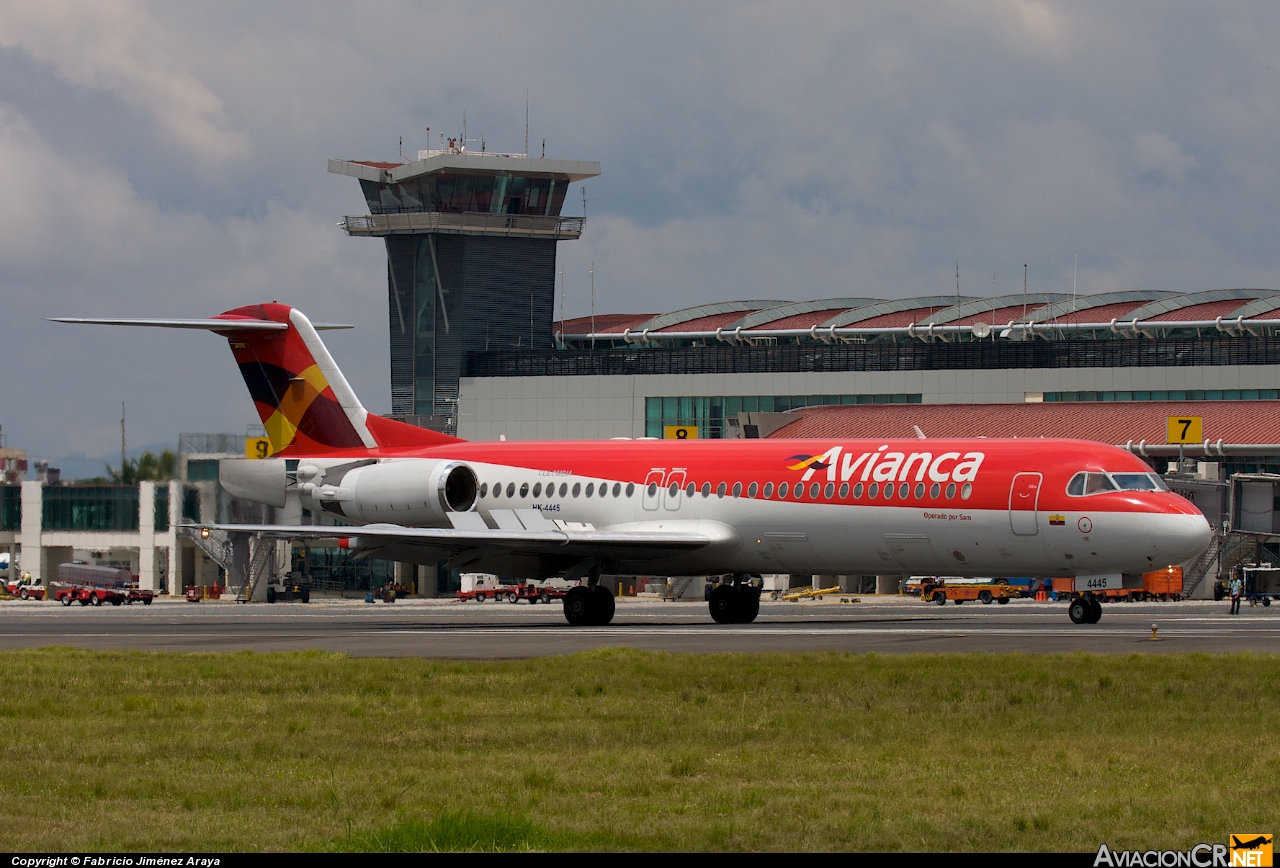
632	750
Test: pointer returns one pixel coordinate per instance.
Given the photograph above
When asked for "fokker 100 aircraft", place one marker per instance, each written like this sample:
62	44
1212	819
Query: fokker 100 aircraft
963	507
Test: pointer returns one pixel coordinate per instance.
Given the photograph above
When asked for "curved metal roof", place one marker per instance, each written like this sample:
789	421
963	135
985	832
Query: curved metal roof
880	308
1190	299
986	305
795	308
688	314
1084	302
1258	306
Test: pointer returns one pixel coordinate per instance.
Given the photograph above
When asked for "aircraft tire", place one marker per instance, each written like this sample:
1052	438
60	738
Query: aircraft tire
579	606
725	604
1080	611
1096	607
748	604
604	606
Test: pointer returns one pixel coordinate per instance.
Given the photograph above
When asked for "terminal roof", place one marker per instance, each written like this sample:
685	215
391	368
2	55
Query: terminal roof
1115	422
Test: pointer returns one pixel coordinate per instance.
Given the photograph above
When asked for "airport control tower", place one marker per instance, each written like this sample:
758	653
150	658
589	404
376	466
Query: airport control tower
471	261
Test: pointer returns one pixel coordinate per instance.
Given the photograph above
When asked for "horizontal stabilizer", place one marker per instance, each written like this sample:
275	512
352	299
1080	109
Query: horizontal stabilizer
214	325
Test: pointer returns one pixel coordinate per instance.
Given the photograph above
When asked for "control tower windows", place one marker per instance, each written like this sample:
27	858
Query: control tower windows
461	194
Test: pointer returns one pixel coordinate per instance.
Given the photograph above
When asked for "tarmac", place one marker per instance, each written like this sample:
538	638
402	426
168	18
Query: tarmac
450	629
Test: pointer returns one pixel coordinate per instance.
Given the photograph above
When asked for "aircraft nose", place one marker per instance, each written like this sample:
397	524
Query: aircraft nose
1181	537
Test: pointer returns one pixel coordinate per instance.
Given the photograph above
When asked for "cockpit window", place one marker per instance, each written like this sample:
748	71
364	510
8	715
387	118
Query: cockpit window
1095	483
1098	482
1137	481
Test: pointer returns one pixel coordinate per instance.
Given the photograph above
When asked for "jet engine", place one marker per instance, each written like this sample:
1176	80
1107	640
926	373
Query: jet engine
409	491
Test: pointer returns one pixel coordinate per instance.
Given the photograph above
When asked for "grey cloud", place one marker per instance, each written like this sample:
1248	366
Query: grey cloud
170	159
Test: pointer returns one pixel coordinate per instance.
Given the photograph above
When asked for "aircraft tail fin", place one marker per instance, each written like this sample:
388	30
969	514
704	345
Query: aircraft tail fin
304	401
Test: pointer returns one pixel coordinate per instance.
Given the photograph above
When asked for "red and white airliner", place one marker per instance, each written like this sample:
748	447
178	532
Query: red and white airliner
740	508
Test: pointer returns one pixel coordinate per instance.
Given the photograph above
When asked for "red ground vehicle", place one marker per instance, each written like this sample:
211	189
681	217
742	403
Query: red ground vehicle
88	595
938	591
484	586
90	585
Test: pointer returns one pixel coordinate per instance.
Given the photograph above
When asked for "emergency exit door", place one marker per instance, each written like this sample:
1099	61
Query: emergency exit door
1024	498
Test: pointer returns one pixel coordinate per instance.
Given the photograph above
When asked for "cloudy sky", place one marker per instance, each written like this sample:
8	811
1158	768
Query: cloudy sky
169	159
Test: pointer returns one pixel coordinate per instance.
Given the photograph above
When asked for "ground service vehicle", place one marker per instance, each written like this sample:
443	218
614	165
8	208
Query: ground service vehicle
91	585
579	509
938	591
24	588
482	586
90	595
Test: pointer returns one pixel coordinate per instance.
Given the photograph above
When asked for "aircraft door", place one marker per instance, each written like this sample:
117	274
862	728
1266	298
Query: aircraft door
1024	498
653	488
672	496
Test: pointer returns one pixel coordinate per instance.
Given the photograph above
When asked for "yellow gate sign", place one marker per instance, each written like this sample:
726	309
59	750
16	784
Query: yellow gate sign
1185	429
680	432
257	447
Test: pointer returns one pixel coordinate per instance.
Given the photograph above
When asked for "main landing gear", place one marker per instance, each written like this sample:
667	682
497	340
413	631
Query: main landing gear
736	603
1085	610
589	605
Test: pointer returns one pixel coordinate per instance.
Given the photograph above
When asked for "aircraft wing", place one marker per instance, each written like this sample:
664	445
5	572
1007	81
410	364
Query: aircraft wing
527	536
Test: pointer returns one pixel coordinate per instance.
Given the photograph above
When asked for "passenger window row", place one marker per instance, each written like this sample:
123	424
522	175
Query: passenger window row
815	490
577	490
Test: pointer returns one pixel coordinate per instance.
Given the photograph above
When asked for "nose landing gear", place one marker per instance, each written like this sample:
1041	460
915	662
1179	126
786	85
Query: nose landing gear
1085	610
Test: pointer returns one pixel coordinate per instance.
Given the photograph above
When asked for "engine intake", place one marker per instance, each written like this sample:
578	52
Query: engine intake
458	488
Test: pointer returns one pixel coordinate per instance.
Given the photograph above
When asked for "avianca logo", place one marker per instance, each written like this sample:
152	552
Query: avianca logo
885	466
805	462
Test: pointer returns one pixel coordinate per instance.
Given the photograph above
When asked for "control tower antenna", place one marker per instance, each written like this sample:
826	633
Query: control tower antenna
593	302
526	121
957	283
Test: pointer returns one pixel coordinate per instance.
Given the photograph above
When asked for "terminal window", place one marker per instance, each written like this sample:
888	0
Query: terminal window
707	414
1166	395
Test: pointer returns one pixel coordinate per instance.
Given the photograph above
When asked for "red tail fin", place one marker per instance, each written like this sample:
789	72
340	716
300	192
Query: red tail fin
304	402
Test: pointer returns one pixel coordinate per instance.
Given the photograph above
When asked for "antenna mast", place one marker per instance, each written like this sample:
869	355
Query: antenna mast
122	445
1024	290
593	291
526	121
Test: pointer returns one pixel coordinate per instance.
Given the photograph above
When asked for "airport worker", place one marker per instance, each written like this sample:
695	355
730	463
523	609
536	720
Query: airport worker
1235	594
